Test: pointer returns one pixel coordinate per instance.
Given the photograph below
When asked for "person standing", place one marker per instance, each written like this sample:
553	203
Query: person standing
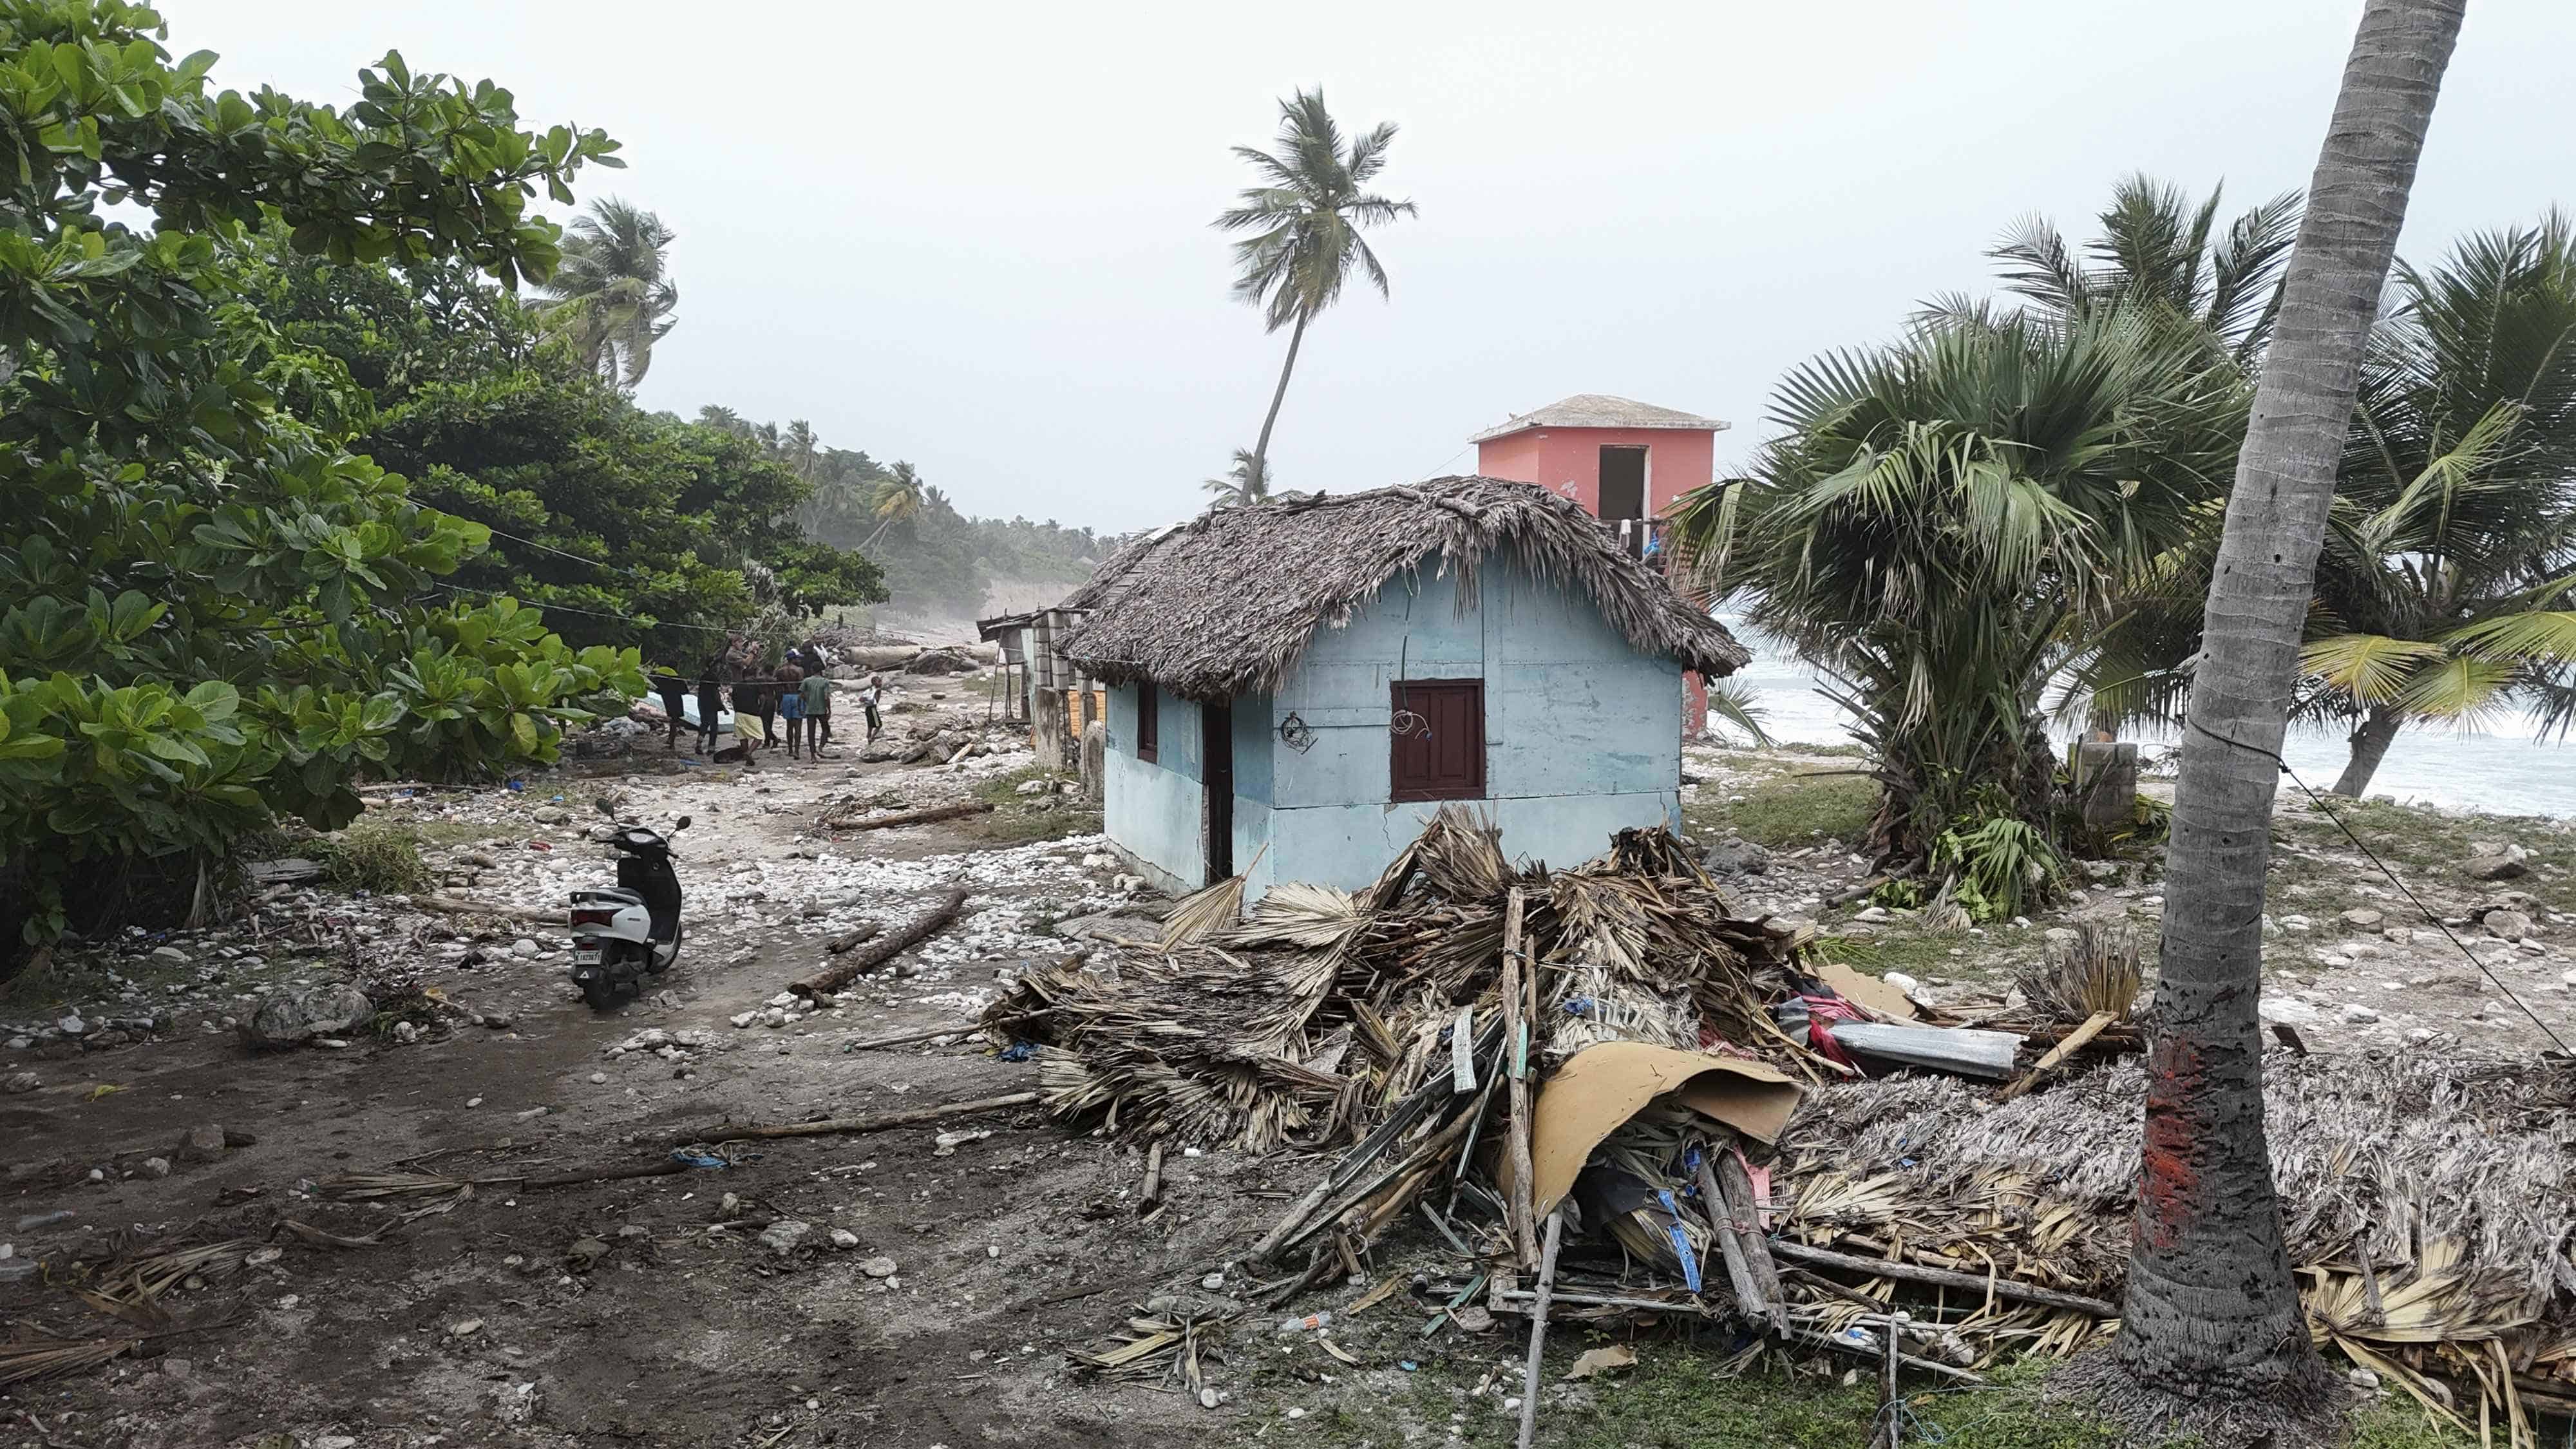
710	700
817	690
791	705
674	692
868	698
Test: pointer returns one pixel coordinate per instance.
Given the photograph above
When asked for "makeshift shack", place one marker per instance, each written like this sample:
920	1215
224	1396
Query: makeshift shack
1296	686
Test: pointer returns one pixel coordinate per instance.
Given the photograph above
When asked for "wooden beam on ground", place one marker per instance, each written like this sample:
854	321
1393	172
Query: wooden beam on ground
2000	1286
832	978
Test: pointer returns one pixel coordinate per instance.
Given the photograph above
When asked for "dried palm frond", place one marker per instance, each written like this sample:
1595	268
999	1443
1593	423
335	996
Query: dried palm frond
2096	971
28	1360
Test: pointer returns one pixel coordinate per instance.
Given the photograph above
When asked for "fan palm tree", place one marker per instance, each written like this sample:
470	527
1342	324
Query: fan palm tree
1248	481
1306	217
611	295
1941	523
897	498
2454	524
2158	251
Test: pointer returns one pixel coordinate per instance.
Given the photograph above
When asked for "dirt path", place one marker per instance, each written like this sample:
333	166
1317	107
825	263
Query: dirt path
1006	1249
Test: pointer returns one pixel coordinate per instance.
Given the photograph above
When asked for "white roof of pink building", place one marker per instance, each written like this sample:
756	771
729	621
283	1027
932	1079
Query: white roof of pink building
1600	410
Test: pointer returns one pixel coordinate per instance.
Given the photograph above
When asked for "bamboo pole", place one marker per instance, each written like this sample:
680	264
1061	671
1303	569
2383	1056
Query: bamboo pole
2001	1287
1516	1030
834	1126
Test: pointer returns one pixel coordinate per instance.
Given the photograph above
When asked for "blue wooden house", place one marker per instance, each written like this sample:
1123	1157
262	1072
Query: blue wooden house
1295	686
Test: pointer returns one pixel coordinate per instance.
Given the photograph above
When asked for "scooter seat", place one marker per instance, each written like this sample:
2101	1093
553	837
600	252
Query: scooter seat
613	895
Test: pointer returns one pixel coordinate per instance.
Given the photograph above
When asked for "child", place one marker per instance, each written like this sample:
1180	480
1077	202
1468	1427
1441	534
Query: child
817	690
791	705
868	701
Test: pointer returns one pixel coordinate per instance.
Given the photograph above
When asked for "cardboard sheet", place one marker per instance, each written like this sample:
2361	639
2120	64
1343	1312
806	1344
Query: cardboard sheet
1867	991
1604	1085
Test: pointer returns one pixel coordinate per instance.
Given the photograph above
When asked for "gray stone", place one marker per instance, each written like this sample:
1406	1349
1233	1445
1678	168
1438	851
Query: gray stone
552	815
294	1015
1737	856
21	1083
844	1239
878	1267
523	948
169	956
782	1236
2498	860
2363	918
202	1143
71	1026
2507	925
2359	1015
156	1167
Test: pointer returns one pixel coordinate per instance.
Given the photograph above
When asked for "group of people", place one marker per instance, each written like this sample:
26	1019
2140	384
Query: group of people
798	694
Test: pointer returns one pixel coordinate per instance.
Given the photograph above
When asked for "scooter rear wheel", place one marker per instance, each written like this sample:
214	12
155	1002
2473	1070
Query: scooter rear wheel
600	992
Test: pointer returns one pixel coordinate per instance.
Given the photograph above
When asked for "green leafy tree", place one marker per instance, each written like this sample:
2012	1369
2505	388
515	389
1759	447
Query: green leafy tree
898	498
2442	590
613	295
1248	481
1306	216
213	611
1942	525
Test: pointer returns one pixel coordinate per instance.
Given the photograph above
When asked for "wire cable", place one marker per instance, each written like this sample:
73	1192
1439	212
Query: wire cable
2373	856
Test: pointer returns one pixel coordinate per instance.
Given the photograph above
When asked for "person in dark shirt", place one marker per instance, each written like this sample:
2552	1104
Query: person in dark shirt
710	700
674	692
791	706
817	689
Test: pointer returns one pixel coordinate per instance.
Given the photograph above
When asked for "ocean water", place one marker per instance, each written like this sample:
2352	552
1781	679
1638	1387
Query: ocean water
2505	769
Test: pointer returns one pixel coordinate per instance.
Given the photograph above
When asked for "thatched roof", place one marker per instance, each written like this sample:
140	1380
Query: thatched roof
1226	604
1600	410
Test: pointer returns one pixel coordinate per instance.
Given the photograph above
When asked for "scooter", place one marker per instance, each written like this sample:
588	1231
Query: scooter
621	936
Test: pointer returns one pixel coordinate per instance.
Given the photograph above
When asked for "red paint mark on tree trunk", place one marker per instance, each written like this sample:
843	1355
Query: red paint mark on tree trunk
2169	1196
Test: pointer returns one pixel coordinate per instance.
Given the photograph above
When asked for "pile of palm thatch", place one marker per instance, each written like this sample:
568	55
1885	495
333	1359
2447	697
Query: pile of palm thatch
2426	1205
1309	1022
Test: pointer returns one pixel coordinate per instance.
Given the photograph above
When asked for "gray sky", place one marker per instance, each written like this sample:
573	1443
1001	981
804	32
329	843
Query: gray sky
976	236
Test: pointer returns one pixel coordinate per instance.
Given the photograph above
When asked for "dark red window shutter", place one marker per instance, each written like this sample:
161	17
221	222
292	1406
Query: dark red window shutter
1438	740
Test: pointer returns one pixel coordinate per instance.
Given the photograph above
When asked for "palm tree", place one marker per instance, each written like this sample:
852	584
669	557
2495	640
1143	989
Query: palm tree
715	416
799	449
897	498
2454	524
1941	523
2211	1327
2158	251
610	295
1248	481
1306	216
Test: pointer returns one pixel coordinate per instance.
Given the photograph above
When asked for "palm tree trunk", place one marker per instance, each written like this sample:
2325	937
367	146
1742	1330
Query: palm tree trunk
2369	747
1279	394
2212	1314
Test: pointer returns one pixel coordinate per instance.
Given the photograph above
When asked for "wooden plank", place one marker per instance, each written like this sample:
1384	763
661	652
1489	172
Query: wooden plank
2001	1287
2069	1045
1516	1026
1538	1326
1462	1051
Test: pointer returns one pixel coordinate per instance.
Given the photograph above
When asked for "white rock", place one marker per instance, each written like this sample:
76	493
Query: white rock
523	948
2288	1010
598	1077
71	1026
1901	982
2359	1015
744	1018
784	999
878	1267
782	1236
844	1239
773	1018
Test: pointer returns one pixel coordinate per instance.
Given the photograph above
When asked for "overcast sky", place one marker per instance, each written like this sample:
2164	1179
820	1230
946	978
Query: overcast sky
976	237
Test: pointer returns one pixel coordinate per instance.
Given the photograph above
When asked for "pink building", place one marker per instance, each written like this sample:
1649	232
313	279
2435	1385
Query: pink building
1622	460
1619	459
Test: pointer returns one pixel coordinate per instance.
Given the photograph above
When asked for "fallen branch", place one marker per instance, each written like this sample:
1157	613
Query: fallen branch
2066	1047
461	906
833	1126
1153	1192
2000	1286
832	978
911	817
907	1038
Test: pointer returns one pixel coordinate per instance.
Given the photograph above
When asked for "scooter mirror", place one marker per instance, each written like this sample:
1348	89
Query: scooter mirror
605	808
683	825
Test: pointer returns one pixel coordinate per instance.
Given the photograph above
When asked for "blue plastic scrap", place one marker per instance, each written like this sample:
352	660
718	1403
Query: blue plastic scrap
1019	1051
697	1159
1681	1240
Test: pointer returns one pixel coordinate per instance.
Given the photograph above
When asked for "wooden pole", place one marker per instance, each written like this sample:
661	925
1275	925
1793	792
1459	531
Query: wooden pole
1153	1192
1730	1246
863	931
1942	1278
1538	1326
461	906
907	1038
1735	1187
835	1126
1516	1044
833	978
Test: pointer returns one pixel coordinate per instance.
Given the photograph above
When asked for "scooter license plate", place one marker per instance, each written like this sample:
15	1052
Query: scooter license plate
585	956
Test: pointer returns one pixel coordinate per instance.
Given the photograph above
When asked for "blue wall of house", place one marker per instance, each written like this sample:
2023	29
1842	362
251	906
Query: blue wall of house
1582	739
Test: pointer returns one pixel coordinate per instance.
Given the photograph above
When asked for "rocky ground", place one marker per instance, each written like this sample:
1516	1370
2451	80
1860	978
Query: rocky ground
915	1287
2350	962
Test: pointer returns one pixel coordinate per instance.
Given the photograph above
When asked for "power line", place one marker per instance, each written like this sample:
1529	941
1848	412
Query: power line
2402	888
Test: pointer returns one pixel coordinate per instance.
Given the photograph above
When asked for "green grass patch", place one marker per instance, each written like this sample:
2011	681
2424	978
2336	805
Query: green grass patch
1919	953
2427	847
1788	810
1018	819
376	855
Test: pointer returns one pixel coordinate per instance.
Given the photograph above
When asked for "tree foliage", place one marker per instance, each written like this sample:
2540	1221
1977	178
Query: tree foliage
213	610
613	296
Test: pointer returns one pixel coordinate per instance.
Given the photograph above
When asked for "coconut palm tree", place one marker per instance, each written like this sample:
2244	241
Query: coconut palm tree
897	498
1248	481
1942	522
2454	524
714	415
611	295
2156	250
2211	1326
1306	217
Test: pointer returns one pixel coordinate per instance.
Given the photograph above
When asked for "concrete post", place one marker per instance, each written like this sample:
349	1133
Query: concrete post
1046	724
2106	772
1095	761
